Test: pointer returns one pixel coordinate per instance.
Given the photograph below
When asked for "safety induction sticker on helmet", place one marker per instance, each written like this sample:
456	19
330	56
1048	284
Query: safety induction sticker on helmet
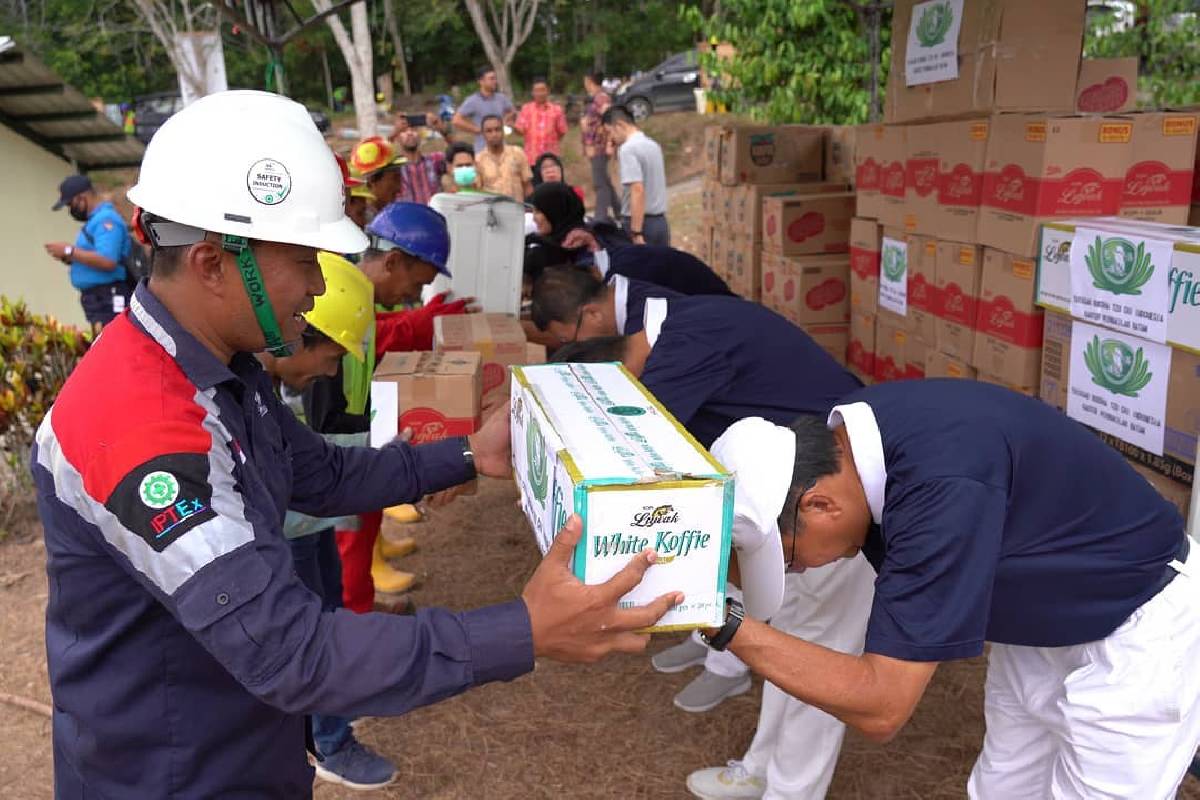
268	181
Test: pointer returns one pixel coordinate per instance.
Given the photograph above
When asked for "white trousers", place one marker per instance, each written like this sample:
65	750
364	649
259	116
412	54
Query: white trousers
1115	718
796	746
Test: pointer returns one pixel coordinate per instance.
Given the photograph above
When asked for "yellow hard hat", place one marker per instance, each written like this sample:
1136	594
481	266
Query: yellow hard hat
362	191
347	309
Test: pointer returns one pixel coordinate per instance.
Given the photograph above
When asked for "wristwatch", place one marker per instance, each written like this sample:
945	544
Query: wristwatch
734	614
468	455
635	233
68	251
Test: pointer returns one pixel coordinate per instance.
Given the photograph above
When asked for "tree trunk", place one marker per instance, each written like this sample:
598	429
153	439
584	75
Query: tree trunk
328	78
513	22
389	20
356	53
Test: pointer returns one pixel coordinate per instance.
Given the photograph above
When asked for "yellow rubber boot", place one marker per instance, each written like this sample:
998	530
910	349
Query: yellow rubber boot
396	548
405	514
388	579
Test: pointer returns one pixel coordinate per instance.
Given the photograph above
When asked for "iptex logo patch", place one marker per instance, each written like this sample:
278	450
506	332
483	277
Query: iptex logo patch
164	498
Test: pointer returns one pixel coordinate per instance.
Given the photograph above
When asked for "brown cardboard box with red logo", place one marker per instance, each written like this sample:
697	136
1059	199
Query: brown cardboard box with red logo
1008	327
1106	86
923	301
808	290
1041	168
878	160
958	270
898	354
439	395
743	267
745	217
799	225
1013	55
944	178
864	265
998	380
941	365
840	145
499	338
860	352
833	339
1158	183
771	154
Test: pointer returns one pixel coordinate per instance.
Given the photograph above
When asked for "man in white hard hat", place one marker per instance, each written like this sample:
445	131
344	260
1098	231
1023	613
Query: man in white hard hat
183	650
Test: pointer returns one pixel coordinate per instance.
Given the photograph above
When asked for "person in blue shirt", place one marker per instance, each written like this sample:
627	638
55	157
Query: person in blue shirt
571	304
990	517
97	257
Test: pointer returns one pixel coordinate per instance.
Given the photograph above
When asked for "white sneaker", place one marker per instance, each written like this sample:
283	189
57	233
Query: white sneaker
688	653
731	782
709	690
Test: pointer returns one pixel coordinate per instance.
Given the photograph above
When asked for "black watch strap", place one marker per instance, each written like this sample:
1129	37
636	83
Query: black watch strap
734	614
468	455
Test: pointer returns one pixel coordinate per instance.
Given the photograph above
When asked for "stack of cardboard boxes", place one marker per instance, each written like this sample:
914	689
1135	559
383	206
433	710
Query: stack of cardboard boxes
777	203
986	144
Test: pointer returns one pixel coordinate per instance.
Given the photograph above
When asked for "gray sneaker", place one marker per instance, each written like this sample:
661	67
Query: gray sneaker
688	653
709	690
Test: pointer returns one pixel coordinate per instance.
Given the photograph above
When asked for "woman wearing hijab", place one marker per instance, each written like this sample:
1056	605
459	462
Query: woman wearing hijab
549	169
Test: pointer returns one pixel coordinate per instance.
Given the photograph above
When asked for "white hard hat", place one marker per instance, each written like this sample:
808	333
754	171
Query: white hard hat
249	164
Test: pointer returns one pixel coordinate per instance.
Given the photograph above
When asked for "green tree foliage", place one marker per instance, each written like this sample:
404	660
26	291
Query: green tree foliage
796	60
1163	37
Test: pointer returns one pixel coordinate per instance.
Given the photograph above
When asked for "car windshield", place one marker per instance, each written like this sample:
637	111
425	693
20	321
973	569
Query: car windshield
680	62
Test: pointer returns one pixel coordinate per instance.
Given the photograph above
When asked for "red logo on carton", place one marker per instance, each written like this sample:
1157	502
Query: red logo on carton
864	263
921	293
1107	96
806	226
893	180
1000	318
886	369
493	375
1010	190
866	176
922	175
826	293
789	290
1080	192
956	305
859	358
961	186
429	425
771	225
769	281
1152	183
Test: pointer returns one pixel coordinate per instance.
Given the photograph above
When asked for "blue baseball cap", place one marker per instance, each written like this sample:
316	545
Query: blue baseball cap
70	188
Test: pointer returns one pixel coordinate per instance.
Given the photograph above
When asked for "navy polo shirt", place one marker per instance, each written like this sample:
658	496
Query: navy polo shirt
663	266
634	294
1004	521
716	360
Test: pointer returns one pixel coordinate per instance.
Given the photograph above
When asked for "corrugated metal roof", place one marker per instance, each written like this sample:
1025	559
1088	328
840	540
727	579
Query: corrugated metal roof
36	103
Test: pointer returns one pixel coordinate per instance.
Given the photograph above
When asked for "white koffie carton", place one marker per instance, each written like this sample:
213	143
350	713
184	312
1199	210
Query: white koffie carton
588	439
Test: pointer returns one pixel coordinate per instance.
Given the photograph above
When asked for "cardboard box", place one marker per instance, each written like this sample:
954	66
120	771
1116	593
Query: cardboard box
712	153
590	440
742	261
535	353
839	154
944	178
499	338
1013	55
746	203
923	303
808	224
1008	328
864	265
860	352
1106	86
808	290
833	339
1042	168
1175	493
1158	183
703	248
1183	274
941	365
436	395
987	377
895	351
878	160
958	270
1182	419
718	243
771	154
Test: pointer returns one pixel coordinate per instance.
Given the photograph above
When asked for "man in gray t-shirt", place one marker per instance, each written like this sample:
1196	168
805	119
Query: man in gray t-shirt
487	102
643	180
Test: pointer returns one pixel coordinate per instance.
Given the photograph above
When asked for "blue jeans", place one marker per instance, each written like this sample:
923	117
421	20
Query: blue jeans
316	562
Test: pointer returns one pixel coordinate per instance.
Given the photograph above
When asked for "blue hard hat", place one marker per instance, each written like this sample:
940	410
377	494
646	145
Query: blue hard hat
414	229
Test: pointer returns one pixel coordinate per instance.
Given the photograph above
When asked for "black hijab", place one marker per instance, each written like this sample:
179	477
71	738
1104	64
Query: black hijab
560	206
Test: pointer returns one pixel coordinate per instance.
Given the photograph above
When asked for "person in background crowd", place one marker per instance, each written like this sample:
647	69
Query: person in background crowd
97	257
644	178
595	148
435	125
557	210
487	102
549	169
502	167
420	174
378	163
663	266
542	122
461	172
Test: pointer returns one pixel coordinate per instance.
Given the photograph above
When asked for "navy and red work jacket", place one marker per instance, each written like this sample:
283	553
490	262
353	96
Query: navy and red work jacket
183	650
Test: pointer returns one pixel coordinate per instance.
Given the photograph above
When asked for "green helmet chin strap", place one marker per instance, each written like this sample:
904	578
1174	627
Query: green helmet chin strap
252	279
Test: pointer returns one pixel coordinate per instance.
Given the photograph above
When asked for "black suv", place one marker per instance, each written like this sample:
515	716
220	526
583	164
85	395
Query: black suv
669	86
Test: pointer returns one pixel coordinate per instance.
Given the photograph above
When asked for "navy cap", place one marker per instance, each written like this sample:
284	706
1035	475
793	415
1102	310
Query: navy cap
69	188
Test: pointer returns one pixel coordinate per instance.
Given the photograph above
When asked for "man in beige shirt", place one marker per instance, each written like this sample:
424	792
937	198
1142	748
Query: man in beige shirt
502	168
